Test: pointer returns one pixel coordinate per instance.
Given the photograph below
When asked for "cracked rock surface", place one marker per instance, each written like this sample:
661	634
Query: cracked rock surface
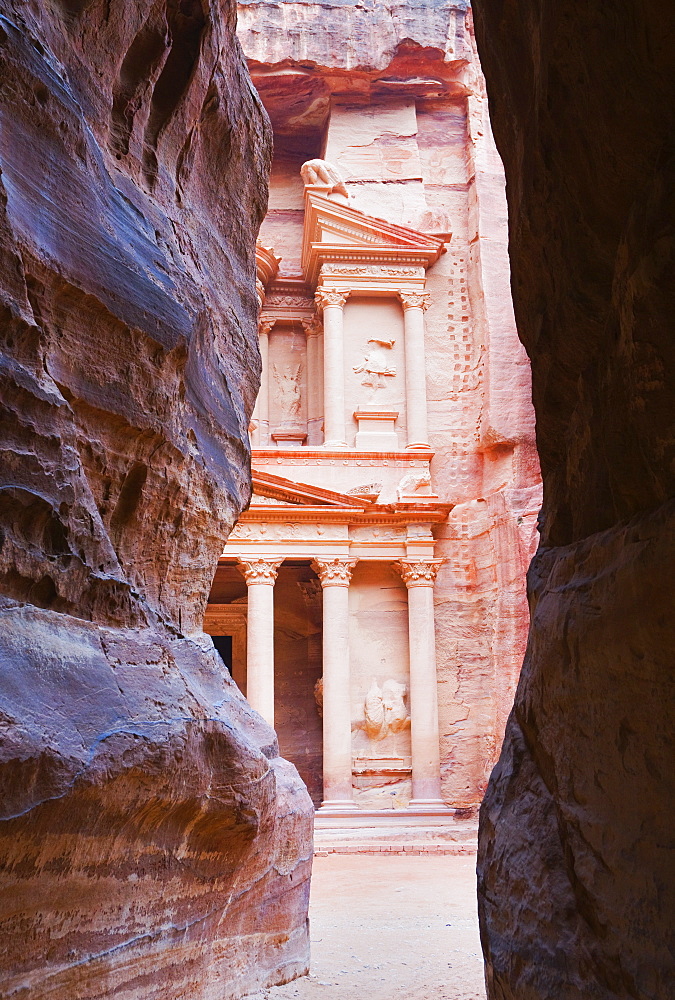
153	844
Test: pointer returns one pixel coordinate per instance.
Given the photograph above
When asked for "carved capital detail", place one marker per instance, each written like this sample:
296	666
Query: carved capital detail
414	300
330	297
334	572
265	326
312	326
259	570
418	572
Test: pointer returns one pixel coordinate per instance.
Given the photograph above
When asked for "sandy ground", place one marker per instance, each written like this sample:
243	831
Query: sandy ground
391	927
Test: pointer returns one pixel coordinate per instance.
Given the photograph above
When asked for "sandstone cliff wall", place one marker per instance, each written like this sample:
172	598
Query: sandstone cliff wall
153	844
575	877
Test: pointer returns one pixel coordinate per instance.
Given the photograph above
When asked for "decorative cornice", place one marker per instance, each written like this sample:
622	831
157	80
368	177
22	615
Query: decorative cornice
330	297
414	300
418	572
259	570
334	572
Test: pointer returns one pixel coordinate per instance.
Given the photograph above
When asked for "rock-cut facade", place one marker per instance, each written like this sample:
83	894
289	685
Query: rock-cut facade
371	601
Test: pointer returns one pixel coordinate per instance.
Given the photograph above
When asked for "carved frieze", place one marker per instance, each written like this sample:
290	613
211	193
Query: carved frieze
281	531
370	270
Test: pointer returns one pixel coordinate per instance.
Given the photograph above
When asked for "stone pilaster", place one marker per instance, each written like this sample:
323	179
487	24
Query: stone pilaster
332	303
414	305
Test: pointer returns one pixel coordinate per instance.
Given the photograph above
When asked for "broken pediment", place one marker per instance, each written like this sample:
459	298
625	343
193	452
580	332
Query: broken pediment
275	490
335	233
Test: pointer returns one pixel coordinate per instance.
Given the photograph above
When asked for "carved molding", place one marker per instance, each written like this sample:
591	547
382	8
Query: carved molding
259	570
334	572
414	300
331	297
418	572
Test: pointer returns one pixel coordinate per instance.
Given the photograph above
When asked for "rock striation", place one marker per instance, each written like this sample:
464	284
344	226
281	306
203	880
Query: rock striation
575	880
152	841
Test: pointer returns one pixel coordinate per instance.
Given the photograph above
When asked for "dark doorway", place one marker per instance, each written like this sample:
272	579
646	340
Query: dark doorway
223	644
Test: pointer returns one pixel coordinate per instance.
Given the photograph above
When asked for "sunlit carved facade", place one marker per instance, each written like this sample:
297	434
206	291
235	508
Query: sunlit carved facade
371	600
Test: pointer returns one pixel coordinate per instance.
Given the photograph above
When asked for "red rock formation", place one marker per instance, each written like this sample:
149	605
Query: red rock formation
575	884
153	843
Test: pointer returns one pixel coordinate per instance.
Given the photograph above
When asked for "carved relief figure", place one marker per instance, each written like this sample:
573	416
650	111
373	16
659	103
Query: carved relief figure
414	482
385	710
288	386
376	366
323	174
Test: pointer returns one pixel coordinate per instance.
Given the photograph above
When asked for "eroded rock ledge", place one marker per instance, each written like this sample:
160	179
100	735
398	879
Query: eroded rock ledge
153	843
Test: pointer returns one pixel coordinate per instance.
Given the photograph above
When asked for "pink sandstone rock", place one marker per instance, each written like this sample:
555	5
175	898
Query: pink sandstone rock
153	843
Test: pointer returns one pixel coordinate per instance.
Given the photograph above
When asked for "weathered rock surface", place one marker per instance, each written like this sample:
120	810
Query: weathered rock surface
575	877
153	844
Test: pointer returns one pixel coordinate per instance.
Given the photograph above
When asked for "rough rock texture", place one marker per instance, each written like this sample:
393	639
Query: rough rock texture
393	95
152	842
575	879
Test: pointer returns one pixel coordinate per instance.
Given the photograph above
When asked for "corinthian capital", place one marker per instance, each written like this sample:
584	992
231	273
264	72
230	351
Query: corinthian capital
312	326
259	570
334	572
414	300
418	572
265	325
330	297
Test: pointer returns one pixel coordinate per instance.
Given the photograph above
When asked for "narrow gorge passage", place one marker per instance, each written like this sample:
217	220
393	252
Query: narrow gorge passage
391	927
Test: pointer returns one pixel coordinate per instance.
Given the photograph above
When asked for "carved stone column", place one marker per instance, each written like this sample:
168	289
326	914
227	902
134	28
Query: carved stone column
332	303
261	411
260	575
313	330
419	577
414	305
335	575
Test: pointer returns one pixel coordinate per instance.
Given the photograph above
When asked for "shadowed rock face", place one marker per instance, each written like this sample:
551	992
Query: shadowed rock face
153	843
575	887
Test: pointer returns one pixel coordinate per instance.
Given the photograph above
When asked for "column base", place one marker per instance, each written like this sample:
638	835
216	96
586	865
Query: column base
331	806
429	805
335	444
415	445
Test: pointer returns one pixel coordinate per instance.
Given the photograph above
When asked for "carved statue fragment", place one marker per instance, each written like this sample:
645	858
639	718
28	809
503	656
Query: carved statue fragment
320	173
288	385
385	710
376	366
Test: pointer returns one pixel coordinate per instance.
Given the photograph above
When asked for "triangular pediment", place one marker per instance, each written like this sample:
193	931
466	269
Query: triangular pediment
275	490
330	223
